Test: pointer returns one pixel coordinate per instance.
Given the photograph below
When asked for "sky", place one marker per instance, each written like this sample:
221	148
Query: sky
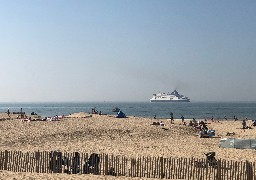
127	50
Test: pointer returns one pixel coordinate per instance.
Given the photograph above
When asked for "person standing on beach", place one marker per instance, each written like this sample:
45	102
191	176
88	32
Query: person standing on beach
171	114
244	124
182	119
8	112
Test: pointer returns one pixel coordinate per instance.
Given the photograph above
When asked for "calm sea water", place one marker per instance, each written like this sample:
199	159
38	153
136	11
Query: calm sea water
143	109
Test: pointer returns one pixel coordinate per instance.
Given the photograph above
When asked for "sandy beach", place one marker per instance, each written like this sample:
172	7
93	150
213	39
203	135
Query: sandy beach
129	137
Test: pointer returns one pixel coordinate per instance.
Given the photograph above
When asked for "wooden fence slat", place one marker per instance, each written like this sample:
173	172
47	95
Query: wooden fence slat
194	168
125	166
157	168
37	158
175	167
153	174
224	166
170	168
40	162
11	161
100	164
44	166
118	171
249	170
188	165
1	161
23	159
29	162
238	169
185	168
254	171
161	168
106	164
244	170
14	162
141	167
19	169
148	167
17	161
231	172
181	169
137	167
5	160
202	169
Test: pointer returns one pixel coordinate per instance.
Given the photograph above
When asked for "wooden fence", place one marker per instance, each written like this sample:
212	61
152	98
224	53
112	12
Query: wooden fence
103	164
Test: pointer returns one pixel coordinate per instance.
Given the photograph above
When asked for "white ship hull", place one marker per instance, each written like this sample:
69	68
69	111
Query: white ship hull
164	100
169	97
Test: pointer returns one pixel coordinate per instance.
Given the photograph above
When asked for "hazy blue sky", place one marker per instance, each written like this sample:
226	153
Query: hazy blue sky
126	50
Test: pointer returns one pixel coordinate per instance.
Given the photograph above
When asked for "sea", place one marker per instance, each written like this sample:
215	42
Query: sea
197	110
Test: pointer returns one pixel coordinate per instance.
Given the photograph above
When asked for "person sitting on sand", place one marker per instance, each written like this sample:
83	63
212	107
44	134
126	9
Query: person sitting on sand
161	123
94	111
202	123
203	133
190	123
254	123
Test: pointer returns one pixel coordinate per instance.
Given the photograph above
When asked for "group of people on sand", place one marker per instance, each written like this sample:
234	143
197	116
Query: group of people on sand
245	126
53	118
34	117
95	111
201	127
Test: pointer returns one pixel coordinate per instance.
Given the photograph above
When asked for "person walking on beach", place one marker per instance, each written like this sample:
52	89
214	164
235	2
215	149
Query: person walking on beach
171	114
8	112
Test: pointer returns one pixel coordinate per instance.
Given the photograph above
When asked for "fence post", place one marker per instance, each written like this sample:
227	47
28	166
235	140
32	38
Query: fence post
106	164
37	156
249	172
161	167
218	175
5	159
1	160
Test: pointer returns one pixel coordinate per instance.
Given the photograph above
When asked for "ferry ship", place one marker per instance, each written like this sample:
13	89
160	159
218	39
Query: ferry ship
169	97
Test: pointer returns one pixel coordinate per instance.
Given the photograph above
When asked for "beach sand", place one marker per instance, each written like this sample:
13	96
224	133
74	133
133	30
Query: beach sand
130	137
